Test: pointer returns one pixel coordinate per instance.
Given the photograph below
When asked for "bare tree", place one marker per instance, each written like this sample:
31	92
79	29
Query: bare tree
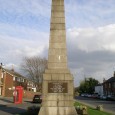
34	68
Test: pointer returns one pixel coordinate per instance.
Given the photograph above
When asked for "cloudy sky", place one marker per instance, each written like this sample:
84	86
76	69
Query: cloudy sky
90	25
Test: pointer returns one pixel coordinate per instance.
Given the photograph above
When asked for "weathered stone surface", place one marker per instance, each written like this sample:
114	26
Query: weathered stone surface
57	65
57	88
65	71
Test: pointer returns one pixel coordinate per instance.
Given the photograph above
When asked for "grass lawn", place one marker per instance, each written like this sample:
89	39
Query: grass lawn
92	111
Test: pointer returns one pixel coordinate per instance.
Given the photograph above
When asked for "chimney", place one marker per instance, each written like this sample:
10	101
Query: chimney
104	80
1	66
114	74
12	68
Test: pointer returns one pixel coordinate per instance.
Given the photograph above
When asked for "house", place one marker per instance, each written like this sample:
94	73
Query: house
99	89
109	86
9	79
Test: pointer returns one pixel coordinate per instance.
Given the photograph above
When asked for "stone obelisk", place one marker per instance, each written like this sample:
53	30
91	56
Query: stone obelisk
57	88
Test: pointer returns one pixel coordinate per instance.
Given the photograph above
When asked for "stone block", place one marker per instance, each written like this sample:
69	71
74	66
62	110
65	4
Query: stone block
68	77
58	20
61	97
59	33
57	59
61	103
46	76
57	51
55	77
57	71
57	45
69	103
66	97
61	77
50	111
52	97
57	39
57	27
57	8
70	87
58	2
57	65
45	85
49	103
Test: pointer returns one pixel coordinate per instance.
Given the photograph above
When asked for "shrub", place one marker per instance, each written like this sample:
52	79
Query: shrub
33	110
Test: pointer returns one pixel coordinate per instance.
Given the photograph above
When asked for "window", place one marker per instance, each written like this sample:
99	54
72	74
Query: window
105	85
113	84
18	79
14	78
28	83
21	80
109	85
2	75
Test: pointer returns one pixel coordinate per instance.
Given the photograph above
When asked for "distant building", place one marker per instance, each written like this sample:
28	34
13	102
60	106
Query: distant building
99	89
109	86
9	79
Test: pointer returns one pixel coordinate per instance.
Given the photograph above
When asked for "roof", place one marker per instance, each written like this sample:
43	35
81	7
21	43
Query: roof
13	73
112	79
99	84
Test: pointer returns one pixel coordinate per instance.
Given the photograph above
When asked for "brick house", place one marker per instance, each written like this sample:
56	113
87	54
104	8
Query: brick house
9	79
109	86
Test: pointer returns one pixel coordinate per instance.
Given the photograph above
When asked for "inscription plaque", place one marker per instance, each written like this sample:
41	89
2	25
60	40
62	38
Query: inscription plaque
57	87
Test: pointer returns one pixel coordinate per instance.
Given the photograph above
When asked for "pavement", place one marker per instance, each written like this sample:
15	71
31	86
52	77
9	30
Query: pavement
5	101
9	100
7	106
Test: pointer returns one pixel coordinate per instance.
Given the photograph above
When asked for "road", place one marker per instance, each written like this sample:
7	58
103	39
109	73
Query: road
7	107
107	105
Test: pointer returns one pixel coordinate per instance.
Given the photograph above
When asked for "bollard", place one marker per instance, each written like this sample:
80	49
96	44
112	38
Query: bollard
84	110
81	110
99	107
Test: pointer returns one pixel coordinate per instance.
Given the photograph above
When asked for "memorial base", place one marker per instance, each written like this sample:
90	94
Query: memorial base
57	93
57	111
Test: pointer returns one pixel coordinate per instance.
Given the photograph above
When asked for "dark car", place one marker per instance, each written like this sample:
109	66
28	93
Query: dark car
111	98
37	99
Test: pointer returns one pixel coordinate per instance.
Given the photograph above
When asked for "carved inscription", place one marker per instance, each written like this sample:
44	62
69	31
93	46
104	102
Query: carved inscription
57	87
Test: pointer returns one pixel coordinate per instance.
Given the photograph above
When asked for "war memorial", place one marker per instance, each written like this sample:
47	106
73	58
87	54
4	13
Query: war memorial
58	87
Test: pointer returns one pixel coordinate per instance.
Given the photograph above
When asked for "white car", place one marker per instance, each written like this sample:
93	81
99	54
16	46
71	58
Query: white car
104	97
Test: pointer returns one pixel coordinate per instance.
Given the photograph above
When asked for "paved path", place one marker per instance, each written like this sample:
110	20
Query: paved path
7	107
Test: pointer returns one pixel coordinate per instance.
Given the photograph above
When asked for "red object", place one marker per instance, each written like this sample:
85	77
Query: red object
18	95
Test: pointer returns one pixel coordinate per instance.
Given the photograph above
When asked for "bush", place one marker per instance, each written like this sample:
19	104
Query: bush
33	110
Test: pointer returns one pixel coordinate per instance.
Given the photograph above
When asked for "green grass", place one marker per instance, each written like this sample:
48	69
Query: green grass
92	111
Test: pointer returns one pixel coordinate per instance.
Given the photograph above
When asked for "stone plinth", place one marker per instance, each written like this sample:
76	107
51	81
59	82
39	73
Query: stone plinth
57	93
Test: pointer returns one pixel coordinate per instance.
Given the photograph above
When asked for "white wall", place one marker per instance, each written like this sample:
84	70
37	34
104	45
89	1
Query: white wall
99	89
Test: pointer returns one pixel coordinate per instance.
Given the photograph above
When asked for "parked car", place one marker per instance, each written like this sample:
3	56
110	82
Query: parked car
95	96
37	99
82	94
104	97
89	95
110	97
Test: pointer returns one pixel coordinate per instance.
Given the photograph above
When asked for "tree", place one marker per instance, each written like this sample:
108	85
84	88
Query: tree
88	85
34	68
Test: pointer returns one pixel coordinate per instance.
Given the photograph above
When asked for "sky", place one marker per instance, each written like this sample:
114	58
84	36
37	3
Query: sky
90	31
